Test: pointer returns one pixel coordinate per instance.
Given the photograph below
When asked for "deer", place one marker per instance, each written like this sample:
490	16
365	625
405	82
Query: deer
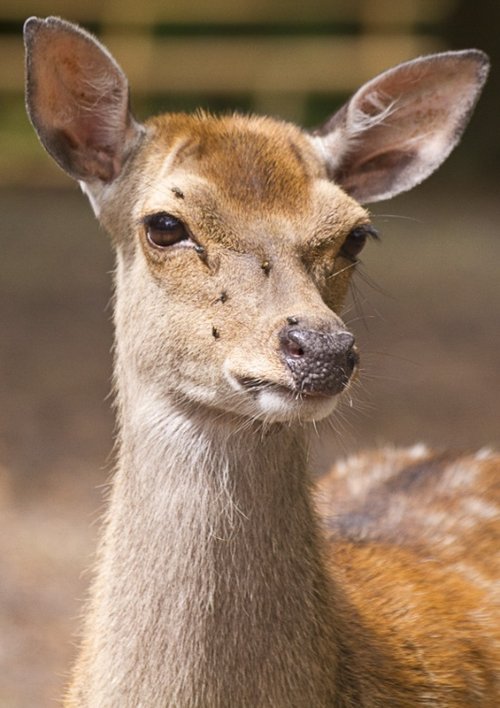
228	576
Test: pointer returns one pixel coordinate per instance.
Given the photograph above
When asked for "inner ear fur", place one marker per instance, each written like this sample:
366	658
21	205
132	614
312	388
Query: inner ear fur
400	126
78	100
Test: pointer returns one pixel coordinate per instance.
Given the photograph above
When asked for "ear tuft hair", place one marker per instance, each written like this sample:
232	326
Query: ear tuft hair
400	126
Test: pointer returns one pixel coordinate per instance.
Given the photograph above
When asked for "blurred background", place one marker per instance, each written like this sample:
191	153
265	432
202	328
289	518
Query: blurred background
425	307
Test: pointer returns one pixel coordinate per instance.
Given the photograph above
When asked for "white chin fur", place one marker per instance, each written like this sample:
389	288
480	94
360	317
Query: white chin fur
281	407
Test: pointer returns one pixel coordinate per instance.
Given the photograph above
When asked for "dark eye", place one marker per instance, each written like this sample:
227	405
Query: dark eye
164	230
354	243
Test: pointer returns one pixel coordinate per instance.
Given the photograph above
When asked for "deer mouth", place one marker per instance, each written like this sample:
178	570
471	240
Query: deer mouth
280	402
256	386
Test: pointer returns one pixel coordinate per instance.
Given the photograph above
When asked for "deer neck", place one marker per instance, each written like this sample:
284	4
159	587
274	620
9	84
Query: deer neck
210	587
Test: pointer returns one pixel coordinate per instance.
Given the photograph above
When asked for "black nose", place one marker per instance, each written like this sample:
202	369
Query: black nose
320	362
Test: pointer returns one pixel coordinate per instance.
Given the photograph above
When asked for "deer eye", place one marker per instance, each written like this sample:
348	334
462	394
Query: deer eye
355	241
164	230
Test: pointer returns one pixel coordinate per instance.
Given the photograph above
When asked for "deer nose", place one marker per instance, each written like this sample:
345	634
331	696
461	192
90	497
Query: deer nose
320	362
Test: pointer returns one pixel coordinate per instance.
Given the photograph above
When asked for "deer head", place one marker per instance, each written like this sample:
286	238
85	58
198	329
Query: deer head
237	236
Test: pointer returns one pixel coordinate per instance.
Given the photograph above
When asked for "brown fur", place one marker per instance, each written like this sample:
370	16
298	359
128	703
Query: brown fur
216	583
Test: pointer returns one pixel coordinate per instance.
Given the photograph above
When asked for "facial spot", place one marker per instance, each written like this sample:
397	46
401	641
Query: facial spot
266	267
177	192
222	298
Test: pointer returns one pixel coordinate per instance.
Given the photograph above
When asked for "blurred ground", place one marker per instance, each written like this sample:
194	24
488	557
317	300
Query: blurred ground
430	341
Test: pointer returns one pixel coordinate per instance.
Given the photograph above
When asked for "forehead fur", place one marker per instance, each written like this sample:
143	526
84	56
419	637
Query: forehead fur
257	162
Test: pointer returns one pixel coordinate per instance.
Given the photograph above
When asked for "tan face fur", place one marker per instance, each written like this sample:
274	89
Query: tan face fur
255	197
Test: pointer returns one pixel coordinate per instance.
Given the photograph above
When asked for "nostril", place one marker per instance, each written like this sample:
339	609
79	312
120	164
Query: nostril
294	349
352	360
293	343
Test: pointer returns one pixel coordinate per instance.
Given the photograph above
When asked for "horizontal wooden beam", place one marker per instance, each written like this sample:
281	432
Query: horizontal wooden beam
229	11
242	65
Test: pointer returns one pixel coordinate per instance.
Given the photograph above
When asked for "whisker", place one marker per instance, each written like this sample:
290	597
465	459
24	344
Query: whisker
401	217
342	270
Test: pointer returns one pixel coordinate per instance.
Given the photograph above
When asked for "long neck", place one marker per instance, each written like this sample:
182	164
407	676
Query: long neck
210	589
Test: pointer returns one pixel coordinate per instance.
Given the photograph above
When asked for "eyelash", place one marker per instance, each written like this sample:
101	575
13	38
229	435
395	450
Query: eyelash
356	240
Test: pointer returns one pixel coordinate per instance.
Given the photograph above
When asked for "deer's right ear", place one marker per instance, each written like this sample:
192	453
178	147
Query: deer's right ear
77	98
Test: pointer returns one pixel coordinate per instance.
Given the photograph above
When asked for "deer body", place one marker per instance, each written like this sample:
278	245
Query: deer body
212	591
223	579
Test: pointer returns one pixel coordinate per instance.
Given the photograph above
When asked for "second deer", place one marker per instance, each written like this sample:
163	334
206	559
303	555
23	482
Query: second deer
225	578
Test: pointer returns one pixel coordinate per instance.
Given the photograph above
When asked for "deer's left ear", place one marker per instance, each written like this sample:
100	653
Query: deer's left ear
399	127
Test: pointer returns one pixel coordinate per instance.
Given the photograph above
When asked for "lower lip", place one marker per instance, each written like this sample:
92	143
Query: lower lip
295	394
